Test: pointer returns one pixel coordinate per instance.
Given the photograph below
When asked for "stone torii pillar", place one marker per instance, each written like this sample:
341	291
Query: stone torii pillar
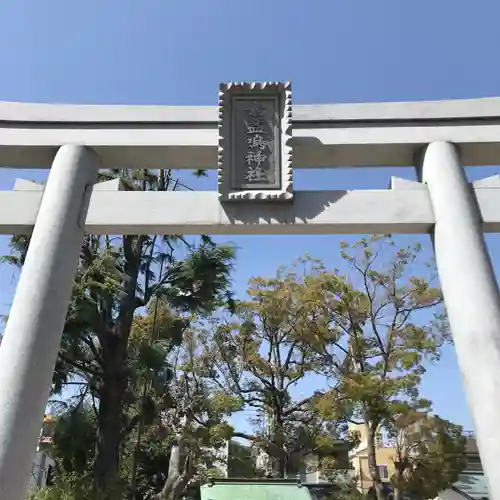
33	333
471	295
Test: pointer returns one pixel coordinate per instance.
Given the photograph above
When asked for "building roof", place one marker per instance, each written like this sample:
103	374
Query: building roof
472	485
249	489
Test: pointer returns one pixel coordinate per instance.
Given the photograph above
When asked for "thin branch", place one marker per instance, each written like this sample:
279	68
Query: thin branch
79	366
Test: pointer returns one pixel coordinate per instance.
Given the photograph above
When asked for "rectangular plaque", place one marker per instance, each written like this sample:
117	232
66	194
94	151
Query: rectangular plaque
255	132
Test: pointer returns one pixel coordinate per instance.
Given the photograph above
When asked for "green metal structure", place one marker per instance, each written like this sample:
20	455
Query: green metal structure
255	489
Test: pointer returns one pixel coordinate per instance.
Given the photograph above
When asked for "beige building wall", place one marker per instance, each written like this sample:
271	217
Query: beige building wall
359	459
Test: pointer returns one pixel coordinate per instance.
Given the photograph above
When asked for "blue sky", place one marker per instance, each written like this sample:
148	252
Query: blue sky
176	53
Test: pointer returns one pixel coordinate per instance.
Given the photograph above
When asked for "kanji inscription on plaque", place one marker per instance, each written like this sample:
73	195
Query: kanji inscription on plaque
255	154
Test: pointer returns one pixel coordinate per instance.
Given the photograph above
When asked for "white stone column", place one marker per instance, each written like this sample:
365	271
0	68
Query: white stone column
471	296
29	348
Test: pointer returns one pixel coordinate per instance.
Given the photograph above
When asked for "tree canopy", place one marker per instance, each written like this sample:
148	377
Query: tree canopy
161	358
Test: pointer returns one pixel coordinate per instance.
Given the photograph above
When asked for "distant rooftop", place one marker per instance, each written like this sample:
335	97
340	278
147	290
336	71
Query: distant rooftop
472	485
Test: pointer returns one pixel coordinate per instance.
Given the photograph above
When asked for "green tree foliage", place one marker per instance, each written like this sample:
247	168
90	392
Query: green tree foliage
386	323
75	438
194	419
240	460
260	355
430	453
69	488
175	425
161	372
117	276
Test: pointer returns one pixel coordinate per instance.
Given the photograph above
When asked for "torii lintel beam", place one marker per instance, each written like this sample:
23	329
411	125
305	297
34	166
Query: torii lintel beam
405	208
373	134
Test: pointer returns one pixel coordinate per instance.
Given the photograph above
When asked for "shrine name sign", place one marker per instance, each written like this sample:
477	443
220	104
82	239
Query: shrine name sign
254	148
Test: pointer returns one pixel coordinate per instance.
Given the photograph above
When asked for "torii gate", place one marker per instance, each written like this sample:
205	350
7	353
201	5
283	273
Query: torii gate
248	138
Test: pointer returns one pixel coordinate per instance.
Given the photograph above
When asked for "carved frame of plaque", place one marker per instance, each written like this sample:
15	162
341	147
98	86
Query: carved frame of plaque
240	175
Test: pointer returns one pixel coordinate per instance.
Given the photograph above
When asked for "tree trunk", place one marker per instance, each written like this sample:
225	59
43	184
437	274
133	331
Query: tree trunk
278	467
178	476
107	463
401	463
398	494
114	344
278	461
372	460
